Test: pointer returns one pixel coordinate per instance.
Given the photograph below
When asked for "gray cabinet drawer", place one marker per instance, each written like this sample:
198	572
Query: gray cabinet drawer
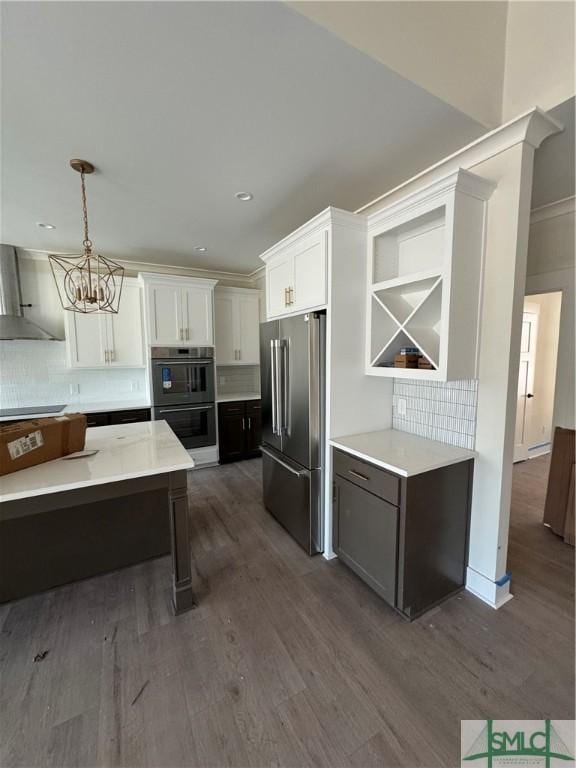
367	476
366	537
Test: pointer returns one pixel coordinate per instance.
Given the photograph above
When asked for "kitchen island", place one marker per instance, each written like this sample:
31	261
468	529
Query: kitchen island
76	517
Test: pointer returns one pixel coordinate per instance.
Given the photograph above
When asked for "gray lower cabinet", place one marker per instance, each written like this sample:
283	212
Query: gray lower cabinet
406	537
117	417
367	537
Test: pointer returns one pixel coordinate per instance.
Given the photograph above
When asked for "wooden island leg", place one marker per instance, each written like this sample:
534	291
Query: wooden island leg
182	594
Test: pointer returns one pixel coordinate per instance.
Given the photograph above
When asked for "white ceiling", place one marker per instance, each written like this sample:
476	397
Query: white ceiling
180	105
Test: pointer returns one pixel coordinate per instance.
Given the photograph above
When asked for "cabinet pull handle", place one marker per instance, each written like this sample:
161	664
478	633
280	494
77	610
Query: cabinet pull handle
239	354
243	424
359	475
187	334
291	295
249	423
106	356
111	355
286	296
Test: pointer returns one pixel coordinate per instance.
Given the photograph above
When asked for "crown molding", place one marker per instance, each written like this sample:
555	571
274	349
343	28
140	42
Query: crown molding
164	269
162	277
531	127
553	210
459	181
329	216
236	289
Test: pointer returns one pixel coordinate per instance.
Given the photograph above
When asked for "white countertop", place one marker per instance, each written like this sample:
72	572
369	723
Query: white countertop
125	451
401	452
231	398
110	405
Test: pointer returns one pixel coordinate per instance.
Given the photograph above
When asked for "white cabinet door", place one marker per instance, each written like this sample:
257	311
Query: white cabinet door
197	316
310	267
278	281
225	306
248	325
124	330
86	340
165	315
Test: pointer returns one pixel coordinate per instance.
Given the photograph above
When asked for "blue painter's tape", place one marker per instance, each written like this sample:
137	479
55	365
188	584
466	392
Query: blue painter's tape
504	580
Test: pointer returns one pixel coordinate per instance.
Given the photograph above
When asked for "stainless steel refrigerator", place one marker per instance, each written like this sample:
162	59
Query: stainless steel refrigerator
292	367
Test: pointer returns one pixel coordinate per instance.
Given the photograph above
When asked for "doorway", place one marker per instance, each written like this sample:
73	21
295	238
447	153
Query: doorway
537	375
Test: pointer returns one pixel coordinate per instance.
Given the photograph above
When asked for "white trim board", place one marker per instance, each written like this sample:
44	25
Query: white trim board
531	127
246	279
552	210
488	591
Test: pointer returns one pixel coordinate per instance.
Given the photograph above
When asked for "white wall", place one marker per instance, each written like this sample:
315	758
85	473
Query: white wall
547	307
539	61
551	257
491	60
455	50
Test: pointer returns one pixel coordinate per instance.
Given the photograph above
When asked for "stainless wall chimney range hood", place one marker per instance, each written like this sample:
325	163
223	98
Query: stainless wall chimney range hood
13	325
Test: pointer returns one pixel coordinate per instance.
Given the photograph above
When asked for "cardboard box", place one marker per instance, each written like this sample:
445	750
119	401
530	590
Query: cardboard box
406	361
423	362
27	443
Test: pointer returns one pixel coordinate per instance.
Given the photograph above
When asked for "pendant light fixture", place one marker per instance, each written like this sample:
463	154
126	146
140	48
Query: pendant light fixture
88	282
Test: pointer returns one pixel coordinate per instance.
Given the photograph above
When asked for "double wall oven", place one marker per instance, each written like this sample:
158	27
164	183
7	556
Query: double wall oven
183	393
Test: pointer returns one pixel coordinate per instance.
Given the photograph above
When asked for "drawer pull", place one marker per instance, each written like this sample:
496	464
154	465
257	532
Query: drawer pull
359	475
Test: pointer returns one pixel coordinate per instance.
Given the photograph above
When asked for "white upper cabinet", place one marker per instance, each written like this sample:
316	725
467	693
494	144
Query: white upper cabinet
237	326
197	314
310	263
225	326
178	310
125	331
279	273
85	339
164	314
297	268
102	340
425	256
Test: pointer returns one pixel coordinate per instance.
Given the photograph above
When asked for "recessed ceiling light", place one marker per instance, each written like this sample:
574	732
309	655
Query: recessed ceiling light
244	196
201	248
42	225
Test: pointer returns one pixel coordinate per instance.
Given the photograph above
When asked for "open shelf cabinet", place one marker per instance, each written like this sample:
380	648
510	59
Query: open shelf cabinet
425	257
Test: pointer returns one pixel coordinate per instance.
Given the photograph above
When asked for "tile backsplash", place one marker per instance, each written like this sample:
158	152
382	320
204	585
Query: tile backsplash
237	379
35	373
443	411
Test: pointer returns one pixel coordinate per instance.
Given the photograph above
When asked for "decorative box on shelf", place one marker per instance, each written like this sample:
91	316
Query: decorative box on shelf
425	256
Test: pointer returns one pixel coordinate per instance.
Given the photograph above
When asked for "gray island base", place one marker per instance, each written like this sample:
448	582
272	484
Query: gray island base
61	521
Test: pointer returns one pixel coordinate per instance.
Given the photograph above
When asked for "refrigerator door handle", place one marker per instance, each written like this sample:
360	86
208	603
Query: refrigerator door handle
274	457
274	347
285	393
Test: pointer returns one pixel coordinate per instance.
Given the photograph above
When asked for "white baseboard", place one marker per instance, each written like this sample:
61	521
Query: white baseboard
487	590
204	457
539	450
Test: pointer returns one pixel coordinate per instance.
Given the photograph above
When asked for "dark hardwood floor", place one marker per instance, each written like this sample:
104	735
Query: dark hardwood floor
287	661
